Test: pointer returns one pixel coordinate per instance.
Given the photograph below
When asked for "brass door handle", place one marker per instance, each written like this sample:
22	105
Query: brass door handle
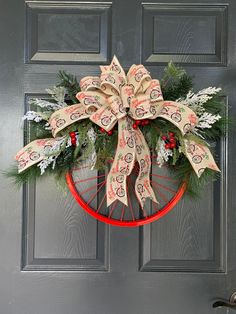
224	303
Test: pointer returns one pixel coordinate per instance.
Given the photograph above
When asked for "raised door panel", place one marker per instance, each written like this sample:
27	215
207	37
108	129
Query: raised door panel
67	32
193	34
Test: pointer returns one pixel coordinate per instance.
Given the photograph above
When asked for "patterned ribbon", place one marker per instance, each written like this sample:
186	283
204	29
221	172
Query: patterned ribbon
116	97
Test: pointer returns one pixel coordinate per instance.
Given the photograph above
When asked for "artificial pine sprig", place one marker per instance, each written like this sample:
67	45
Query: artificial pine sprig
70	83
175	82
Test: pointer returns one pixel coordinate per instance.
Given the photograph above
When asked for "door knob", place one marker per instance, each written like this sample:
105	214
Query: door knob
230	304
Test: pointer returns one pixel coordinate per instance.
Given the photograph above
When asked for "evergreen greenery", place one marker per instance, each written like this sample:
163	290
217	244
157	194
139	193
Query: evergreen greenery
71	85
175	82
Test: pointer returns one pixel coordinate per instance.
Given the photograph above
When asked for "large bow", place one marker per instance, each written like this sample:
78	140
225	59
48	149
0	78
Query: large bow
116	97
123	100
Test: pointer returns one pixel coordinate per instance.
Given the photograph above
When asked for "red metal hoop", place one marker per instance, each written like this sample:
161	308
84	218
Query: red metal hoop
119	222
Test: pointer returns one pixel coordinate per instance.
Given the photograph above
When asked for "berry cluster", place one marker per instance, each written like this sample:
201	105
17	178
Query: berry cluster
170	140
108	132
73	138
135	125
140	122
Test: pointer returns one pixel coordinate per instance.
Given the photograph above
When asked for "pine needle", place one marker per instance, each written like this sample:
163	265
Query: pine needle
175	82
71	85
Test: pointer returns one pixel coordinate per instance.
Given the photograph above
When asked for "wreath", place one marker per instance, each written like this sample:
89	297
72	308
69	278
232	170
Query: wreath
123	131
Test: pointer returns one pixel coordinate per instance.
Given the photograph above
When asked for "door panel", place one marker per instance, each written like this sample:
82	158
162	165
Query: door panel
75	244
190	33
63	32
55	259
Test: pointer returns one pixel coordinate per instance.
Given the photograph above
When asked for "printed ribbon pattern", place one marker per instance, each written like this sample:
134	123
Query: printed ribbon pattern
115	97
34	152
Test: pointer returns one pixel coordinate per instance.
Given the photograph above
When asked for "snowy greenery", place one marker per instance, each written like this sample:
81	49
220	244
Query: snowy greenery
196	101
163	154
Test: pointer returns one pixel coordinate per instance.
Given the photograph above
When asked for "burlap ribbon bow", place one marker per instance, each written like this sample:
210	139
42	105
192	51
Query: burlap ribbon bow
116	97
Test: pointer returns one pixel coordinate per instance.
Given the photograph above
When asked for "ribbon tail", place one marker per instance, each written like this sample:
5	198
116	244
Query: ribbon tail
34	152
143	187
123	163
199	157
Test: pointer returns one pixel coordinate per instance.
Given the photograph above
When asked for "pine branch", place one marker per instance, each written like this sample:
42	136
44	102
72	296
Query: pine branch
70	83
175	82
183	171
174	89
28	175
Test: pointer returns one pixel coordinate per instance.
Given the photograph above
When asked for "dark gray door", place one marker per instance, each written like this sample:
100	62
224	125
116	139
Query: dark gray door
54	258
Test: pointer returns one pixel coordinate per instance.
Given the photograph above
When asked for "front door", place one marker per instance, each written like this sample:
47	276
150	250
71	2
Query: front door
55	259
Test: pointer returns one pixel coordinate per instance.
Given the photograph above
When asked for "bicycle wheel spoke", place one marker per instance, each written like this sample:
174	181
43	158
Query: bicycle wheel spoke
164	177
112	209
100	205
81	168
164	187
156	207
122	212
91	188
130	204
163	197
89	179
92	197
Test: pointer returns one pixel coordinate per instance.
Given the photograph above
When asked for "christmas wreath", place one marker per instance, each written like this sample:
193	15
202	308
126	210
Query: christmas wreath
123	124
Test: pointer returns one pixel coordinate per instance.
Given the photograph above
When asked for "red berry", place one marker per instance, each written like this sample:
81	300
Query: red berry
164	137
172	145
167	146
172	140
171	134
102	130
135	126
73	141
146	122
110	132
138	122
72	134
143	122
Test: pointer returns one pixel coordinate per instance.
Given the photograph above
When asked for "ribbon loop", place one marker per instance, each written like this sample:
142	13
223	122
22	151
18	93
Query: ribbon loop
91	99
154	91
140	108
89	83
137	76
64	117
104	117
112	78
117	106
126	94
114	67
111	83
180	115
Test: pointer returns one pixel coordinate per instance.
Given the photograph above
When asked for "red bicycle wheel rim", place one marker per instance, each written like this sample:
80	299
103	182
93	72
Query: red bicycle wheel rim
136	223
